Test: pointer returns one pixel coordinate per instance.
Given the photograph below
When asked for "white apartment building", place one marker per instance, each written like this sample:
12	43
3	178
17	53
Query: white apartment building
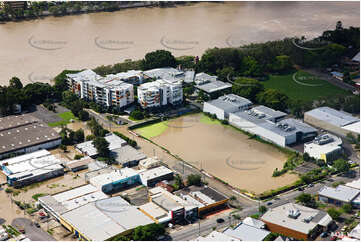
160	93
107	91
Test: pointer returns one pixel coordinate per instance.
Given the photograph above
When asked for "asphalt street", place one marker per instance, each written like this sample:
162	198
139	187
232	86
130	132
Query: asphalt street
31	231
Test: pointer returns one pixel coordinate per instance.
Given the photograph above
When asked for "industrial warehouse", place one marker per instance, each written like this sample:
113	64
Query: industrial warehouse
24	134
30	168
325	147
338	122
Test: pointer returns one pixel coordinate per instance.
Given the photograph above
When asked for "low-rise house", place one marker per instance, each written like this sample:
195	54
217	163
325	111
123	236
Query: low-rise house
325	147
225	105
339	195
296	221
154	175
31	168
245	232
103	219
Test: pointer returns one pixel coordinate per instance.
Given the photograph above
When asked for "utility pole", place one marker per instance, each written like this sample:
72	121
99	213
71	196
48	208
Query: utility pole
199	227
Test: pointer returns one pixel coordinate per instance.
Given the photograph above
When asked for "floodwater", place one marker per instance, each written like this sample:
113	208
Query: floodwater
37	50
225	153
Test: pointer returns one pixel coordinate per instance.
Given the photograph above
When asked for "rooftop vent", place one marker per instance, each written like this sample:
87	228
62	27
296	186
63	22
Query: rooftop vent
294	213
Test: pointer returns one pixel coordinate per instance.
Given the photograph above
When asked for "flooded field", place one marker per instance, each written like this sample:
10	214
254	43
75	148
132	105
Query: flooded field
222	151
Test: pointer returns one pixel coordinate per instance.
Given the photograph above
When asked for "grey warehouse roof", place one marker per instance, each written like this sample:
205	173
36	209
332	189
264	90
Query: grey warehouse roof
229	102
246	232
20	131
332	116
213	86
340	193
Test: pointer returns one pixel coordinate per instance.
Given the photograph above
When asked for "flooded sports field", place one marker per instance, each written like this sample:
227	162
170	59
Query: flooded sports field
221	151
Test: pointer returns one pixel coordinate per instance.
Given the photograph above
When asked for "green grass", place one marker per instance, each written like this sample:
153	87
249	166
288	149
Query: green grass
207	120
287	85
152	130
66	116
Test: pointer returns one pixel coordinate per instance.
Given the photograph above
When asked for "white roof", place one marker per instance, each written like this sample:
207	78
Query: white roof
332	116
216	236
340	193
113	176
106	218
149	162
154	172
245	232
230	102
114	141
354	184
280	216
254	222
355	127
314	146
356	57
355	233
156	212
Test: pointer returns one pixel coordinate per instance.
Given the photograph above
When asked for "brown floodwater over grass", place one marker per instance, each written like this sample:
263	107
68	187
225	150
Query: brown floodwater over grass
222	151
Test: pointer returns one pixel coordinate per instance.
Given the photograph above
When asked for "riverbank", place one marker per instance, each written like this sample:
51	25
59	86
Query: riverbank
61	10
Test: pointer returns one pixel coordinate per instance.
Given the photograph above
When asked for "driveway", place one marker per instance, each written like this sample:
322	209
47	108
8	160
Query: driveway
31	231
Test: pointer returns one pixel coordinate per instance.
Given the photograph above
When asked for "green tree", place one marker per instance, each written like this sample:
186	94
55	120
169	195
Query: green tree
282	64
247	87
69	97
188	91
137	115
251	67
157	59
15	83
63	147
79	136
273	98
341	165
262	209
334	213
306	200
148	232
347	208
102	147
194	179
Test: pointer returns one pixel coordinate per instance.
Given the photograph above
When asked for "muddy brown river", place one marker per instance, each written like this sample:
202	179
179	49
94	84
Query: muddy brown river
39	49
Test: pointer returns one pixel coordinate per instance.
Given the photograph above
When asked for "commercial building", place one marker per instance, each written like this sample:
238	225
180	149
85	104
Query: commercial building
245	232
216	236
150	162
335	121
254	223
127	156
176	207
325	147
214	89
354	184
30	168
156	213
77	165
166	73
109	91
340	195
87	148
154	175
24	134
205	198
225	105
270	125
202	78
103	219
159	93
115	180
62	202
296	221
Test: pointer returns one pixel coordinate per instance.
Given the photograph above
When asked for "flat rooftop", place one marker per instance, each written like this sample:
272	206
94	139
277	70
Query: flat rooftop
324	143
20	131
354	184
126	154
114	141
154	173
71	199
81	162
38	162
106	218
168	73
216	236
201	196
332	116
281	216
354	127
213	86
205	77
155	212
340	193
246	232
113	176
230	102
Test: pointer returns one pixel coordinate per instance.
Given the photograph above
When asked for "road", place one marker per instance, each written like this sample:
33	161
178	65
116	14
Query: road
31	231
191	232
